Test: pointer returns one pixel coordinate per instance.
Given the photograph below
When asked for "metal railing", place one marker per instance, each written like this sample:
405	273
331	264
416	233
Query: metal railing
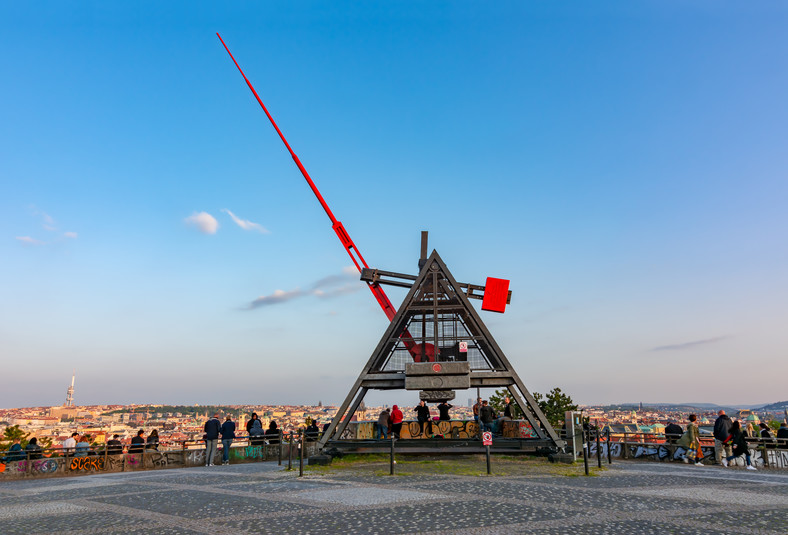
765	452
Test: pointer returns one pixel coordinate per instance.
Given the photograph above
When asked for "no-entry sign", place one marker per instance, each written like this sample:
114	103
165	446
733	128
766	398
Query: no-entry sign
486	438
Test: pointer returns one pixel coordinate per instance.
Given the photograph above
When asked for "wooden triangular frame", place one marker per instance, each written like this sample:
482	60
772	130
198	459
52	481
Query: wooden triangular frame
378	375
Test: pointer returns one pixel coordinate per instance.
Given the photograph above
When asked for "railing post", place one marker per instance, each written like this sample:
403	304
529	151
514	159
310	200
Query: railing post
106	456
392	461
281	445
301	448
609	453
290	452
624	449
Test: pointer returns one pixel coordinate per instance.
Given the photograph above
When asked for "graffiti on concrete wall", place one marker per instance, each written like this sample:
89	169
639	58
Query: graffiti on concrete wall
518	429
87	463
46	466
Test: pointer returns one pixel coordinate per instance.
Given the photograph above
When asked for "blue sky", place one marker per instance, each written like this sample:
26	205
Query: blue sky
623	164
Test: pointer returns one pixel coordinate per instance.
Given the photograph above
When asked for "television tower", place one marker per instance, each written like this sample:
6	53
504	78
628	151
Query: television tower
70	392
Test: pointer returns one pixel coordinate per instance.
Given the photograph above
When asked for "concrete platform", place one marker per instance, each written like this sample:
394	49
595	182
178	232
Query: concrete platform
629	497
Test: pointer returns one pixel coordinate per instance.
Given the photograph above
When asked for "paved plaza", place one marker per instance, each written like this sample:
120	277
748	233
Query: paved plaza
629	497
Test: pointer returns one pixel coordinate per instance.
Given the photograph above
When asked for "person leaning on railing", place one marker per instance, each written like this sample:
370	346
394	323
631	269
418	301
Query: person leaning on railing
33	450
83	447
114	446
782	435
138	442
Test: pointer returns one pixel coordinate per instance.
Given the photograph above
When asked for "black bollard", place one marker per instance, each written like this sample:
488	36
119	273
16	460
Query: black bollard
301	448
598	449
488	460
585	451
609	453
281	445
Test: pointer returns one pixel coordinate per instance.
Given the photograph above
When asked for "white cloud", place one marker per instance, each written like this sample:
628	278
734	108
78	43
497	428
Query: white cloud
326	288
72	235
279	296
246	224
27	240
204	222
49	222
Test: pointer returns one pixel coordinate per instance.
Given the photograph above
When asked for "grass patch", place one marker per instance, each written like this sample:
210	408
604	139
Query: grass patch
464	465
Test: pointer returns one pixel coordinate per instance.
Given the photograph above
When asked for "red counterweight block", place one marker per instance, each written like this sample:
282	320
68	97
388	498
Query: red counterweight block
496	293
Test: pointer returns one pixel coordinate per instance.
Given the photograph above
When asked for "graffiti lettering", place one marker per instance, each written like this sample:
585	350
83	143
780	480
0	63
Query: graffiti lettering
87	463
45	467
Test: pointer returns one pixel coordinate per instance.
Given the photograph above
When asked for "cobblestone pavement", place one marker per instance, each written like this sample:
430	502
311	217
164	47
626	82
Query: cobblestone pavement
630	497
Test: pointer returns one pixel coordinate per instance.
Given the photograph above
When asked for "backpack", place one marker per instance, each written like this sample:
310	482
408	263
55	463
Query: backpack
257	428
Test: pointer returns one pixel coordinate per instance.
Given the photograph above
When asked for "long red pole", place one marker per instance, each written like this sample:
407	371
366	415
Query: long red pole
341	233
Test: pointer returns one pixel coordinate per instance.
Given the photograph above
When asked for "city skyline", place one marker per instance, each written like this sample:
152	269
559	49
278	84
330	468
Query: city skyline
623	165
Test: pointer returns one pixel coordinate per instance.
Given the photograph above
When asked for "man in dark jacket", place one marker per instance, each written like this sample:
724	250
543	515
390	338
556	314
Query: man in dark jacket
782	433
443	411
423	416
114	446
486	416
722	428
212	428
138	442
673	431
228	434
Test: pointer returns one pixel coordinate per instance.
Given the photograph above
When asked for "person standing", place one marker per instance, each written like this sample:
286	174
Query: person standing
443	411
476	408
396	421
211	428
382	425
423	416
722	430
691	442
228	434
740	446
486	415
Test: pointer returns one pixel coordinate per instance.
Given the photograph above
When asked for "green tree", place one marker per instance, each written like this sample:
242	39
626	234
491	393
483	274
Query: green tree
12	433
497	402
554	405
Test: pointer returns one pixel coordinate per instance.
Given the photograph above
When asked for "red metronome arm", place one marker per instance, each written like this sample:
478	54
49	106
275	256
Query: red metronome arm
355	255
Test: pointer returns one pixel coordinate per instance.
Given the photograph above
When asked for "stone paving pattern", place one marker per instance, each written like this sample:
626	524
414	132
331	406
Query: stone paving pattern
629	497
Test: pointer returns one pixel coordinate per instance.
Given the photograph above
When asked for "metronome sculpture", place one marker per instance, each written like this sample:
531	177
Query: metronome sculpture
436	342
